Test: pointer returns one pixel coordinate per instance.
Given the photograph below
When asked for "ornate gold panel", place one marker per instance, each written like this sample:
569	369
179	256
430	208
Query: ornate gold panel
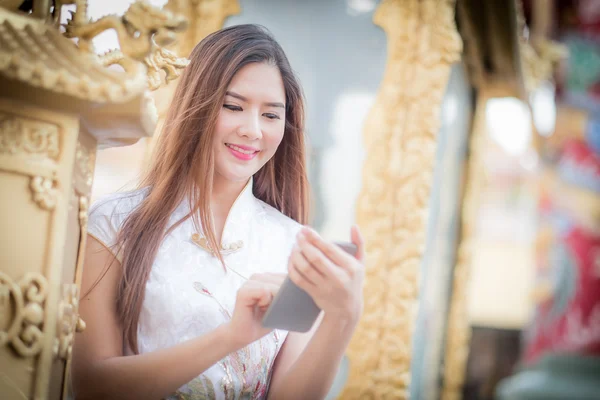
31	138
36	161
49	163
400	142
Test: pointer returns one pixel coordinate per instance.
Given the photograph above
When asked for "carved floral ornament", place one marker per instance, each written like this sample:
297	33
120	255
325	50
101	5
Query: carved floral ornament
44	192
85	160
84	205
28	137
69	321
32	148
23	303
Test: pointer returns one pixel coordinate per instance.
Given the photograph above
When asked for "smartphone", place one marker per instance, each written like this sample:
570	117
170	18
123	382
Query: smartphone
293	309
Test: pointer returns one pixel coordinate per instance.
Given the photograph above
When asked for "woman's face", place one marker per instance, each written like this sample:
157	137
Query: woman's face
251	123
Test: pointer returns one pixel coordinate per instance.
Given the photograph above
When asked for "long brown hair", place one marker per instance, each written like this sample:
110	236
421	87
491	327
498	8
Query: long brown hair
183	164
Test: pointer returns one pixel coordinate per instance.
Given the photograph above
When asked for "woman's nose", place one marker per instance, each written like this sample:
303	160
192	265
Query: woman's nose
251	127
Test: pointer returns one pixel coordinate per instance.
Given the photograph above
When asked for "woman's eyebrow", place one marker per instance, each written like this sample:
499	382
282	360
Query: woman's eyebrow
242	98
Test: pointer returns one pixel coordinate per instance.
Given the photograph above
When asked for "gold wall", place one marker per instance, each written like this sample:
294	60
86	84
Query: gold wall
400	143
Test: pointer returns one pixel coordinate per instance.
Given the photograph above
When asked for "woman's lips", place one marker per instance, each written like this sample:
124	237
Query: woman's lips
242	152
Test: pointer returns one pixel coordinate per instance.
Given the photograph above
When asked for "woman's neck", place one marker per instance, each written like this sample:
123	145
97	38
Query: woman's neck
224	194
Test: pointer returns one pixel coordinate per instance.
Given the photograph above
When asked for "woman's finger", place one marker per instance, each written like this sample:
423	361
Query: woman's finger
300	280
255	294
333	252
273	289
317	259
301	263
359	241
269	277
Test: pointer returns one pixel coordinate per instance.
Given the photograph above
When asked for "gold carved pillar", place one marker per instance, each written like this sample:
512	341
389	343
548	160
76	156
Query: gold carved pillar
43	192
400	141
58	103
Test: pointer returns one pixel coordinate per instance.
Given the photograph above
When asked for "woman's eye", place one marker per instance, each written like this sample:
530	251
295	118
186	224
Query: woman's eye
232	108
271	116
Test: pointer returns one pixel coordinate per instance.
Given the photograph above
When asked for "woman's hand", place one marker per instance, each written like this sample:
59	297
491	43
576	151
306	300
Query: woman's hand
332	277
253	299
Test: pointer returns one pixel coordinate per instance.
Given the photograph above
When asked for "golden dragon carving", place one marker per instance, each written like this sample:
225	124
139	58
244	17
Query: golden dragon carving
142	32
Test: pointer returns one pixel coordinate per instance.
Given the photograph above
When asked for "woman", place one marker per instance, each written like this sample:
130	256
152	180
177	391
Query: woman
166	314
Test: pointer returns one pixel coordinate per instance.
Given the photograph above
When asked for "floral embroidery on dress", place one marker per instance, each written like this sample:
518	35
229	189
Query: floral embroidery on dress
251	378
202	289
200	388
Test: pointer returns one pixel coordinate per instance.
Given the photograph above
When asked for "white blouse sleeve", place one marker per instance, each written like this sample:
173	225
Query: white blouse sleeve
107	216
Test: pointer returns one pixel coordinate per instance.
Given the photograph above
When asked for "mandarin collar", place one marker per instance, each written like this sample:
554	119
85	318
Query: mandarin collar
237	223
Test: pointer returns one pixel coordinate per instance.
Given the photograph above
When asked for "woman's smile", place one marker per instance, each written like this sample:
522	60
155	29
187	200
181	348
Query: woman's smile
242	152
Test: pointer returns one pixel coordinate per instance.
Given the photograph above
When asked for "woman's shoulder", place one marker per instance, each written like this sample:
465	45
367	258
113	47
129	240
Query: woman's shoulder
108	213
275	217
118	203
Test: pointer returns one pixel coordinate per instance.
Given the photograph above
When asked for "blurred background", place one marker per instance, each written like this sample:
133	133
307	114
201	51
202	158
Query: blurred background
502	99
537	162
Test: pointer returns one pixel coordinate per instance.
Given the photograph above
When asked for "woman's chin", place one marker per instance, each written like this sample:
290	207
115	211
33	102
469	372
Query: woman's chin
237	176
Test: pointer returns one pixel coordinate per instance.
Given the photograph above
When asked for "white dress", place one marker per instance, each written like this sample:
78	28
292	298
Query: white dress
189	294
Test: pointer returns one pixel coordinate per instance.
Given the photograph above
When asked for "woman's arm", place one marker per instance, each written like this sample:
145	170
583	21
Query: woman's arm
308	362
153	375
101	371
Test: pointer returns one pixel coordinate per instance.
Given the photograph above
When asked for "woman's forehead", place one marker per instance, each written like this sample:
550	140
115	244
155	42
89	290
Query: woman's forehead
258	81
